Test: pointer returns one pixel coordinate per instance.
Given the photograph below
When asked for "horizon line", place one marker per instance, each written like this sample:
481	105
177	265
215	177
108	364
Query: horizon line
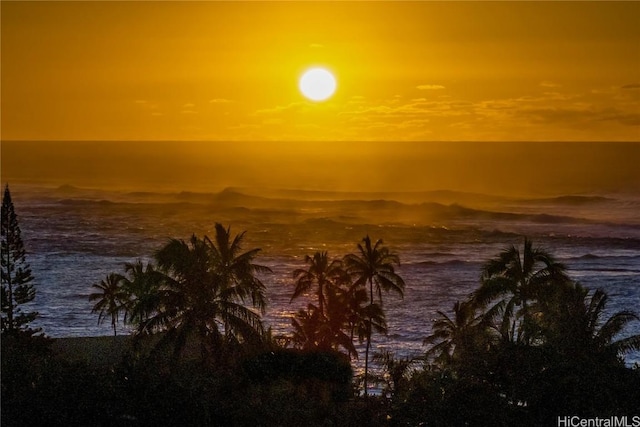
331	140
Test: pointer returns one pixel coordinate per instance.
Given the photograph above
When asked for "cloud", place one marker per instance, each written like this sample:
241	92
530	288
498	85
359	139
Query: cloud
316	46
148	106
549	84
578	115
430	87
549	113
624	118
632	86
219	101
604	91
189	108
280	109
273	121
412	119
356	100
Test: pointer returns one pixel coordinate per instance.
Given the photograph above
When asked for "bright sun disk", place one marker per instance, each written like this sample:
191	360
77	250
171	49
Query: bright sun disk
317	84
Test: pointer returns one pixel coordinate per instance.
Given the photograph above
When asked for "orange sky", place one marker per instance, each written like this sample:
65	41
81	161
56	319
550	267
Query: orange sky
406	71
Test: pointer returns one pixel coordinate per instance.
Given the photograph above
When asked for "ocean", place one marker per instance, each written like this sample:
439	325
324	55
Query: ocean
76	236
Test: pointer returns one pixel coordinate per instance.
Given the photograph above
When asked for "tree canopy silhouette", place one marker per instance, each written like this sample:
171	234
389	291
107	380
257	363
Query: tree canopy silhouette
321	271
512	281
17	288
196	291
373	267
534	341
112	299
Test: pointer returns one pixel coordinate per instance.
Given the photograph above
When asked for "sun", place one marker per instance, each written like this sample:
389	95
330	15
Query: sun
317	84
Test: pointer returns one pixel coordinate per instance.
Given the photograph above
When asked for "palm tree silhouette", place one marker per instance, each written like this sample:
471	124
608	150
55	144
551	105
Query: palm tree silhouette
590	333
201	288
307	327
373	266
313	331
112	298
514	280
320	271
397	370
235	269
142	288
453	339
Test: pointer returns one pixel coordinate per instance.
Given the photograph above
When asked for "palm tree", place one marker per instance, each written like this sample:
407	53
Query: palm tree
597	336
397	371
307	325
322	272
514	280
111	298
313	331
373	266
453	339
345	312
235	270
203	285
582	364
142	288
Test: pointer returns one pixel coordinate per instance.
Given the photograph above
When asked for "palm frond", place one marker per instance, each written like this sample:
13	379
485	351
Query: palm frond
615	324
492	288
626	345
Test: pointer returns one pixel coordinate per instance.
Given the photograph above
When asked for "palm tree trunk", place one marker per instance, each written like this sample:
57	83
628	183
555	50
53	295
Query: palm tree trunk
526	325
366	360
366	351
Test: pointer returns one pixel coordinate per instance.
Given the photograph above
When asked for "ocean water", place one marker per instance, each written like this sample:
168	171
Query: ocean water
75	237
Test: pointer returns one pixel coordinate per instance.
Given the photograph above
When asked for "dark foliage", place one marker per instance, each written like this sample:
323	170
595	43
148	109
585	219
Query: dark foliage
15	272
282	388
373	267
517	352
304	369
527	346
